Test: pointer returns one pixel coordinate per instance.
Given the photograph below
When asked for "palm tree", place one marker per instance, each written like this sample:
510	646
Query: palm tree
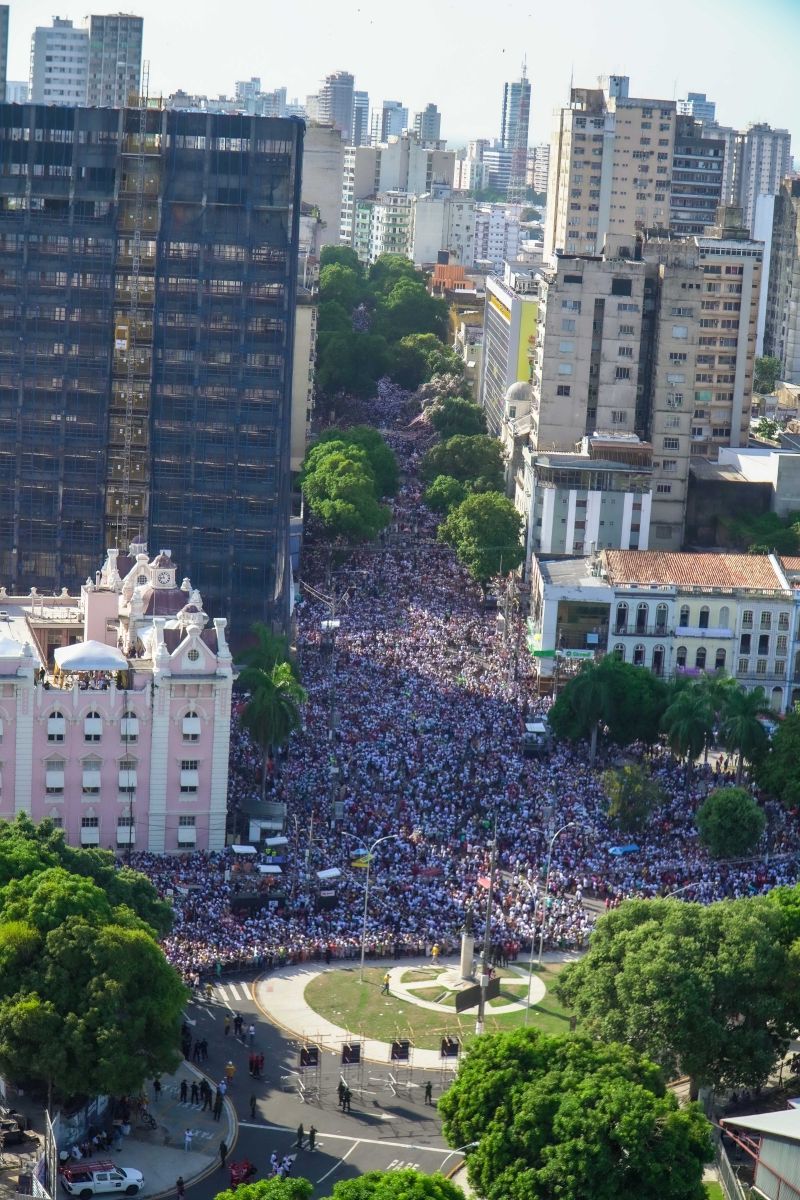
268	649
740	727
687	723
273	711
592	700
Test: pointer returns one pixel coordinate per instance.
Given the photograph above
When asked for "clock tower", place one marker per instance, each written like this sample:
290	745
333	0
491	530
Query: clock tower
162	570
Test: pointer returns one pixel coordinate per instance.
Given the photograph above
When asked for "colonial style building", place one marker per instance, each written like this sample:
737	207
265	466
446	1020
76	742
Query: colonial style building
115	709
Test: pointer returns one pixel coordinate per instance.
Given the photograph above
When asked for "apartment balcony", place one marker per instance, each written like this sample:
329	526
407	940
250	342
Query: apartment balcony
630	630
699	631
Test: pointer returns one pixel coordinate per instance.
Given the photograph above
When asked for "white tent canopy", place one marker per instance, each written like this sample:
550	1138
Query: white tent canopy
329	873
269	870
90	656
244	850
276	841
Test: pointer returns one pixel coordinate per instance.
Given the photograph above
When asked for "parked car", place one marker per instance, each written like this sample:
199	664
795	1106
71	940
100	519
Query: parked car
91	1178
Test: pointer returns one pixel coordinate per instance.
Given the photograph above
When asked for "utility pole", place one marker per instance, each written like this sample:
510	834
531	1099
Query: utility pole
487	933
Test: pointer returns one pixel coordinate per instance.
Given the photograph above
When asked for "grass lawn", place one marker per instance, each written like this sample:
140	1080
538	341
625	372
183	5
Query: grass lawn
359	1008
714	1191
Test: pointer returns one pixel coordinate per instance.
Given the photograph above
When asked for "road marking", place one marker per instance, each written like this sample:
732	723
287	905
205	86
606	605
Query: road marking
344	1137
336	1166
234	991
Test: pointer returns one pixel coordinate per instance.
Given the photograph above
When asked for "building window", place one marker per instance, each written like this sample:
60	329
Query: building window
129	726
619	652
683	619
747	620
658	660
783	620
127	775
91	777
744	643
780	667
54	777
623	373
622	617
563	389
191	727
642	615
92	727
766	620
782	644
55	727
724	617
705	613
661	616
761	666
638	655
190	778
719	661
763	643
700	658
743	666
680	657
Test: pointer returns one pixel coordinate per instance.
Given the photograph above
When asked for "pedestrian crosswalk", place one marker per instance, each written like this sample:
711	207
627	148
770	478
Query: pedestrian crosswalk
230	994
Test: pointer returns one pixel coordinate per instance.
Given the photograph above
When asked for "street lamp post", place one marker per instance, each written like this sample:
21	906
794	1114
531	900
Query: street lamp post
487	933
557	834
529	886
386	838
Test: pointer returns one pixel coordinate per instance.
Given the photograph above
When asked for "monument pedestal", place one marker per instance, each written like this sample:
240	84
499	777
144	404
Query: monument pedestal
467	955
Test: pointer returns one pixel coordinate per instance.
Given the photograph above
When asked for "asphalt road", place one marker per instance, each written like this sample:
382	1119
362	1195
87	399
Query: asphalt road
383	1131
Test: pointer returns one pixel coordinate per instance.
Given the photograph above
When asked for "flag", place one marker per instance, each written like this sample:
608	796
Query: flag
484	881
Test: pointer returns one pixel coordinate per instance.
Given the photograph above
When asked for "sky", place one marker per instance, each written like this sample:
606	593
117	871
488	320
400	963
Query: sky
458	53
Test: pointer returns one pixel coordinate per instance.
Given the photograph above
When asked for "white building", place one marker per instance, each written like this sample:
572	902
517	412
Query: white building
497	235
698	105
323	166
401	164
763	161
418	227
59	63
17	91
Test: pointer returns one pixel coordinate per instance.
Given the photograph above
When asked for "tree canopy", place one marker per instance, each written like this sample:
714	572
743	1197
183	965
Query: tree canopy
485	533
409	308
444	493
767	373
380	456
340	285
778	771
730	823
338	483
475	460
455	415
565	1118
396	1185
270	1189
345	256
73	955
627	700
418	357
705	990
632	795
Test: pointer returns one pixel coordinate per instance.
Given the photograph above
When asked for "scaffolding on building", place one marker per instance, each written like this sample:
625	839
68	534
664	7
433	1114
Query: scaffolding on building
132	369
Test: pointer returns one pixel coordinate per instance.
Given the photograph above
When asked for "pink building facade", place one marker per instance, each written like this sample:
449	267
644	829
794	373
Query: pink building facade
115	709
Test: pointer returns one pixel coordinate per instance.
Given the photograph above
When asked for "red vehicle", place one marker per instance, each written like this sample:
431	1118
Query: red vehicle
242	1172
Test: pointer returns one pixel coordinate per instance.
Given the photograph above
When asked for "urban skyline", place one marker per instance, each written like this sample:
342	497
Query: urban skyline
357	38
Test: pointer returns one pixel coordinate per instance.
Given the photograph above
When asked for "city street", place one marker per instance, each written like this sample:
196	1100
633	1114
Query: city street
382	1131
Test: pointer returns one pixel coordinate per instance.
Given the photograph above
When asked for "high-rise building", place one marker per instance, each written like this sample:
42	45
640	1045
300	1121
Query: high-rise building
360	118
763	161
247	90
539	169
3	49
498	161
698	166
655	348
418	227
17	91
390	120
514	131
336	103
115	59
145	361
777	224
428	124
59	63
497	235
610	168
509	338
698	105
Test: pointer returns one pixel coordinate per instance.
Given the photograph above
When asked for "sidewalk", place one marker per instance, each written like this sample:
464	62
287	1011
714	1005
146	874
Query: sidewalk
159	1153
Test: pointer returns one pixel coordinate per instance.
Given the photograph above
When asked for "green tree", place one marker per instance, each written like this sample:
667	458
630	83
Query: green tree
351	362
629	701
343	256
778	772
380	456
430	358
485	533
455	415
339	486
730	823
272	713
390	269
444	493
707	990
471	460
396	1185
740	727
768	429
767	373
565	1118
409	308
267	649
688	722
270	1189
633	794
333	317
340	285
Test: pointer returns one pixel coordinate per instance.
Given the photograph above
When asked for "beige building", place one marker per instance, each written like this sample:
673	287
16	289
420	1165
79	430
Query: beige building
610	168
655	345
399	165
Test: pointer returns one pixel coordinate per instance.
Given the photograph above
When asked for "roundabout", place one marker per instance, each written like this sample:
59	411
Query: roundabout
330	1005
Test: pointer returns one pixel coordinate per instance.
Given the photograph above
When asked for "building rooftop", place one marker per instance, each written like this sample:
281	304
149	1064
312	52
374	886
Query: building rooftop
745	571
704	468
785	1123
569	572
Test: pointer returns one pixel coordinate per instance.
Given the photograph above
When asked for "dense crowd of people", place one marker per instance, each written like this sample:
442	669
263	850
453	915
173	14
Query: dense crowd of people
413	734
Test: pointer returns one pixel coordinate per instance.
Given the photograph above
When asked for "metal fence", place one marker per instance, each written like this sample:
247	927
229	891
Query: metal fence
727	1176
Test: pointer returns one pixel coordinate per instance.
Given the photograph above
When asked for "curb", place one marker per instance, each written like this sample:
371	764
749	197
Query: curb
233	1134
